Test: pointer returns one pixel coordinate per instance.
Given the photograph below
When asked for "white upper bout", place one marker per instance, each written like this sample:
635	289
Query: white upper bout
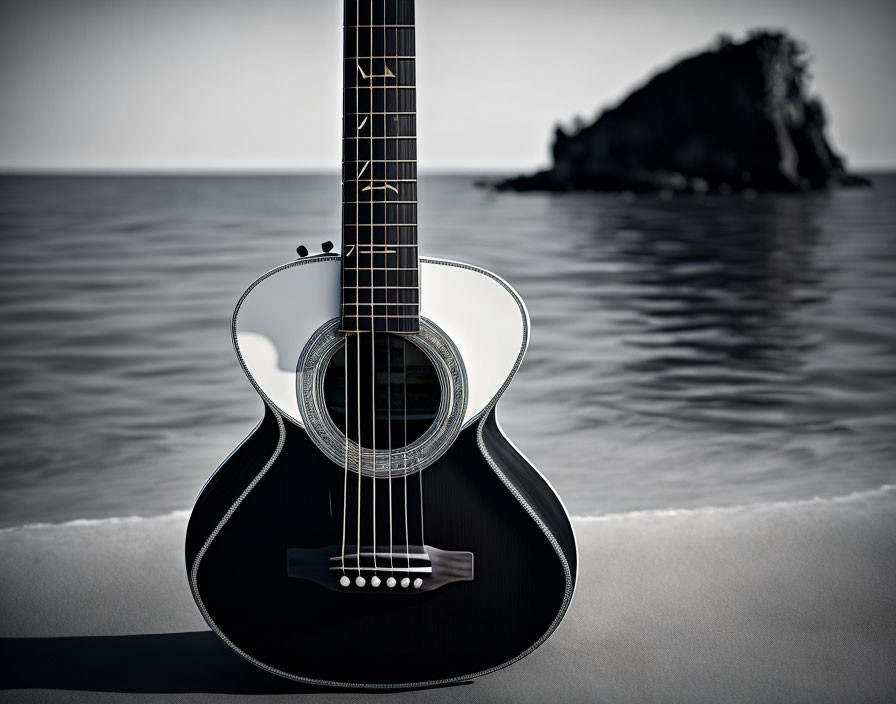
484	317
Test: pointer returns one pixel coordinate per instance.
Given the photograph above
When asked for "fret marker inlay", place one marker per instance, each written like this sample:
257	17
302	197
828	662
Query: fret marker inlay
380	188
387	74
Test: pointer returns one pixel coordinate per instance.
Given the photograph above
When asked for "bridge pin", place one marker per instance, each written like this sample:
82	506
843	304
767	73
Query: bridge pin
360	581
405	582
374	581
391	582
344	581
418	583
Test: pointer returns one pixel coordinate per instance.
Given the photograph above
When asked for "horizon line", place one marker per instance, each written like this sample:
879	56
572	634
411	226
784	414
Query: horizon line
232	171
290	171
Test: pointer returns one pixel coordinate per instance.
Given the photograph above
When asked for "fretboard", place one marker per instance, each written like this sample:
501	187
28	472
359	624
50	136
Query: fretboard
380	274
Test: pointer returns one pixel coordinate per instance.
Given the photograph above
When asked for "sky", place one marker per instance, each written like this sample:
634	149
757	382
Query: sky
256	84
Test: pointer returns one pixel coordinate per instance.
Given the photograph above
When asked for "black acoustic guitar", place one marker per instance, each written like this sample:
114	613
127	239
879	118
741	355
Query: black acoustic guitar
377	529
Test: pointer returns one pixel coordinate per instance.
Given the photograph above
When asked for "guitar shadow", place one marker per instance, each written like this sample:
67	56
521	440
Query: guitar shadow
141	664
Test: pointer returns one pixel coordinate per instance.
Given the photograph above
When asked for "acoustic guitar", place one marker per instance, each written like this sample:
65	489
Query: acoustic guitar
377	529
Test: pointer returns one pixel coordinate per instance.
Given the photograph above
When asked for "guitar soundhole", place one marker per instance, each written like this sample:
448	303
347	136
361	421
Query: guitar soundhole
393	388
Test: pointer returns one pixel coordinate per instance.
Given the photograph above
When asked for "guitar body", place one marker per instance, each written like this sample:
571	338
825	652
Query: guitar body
283	519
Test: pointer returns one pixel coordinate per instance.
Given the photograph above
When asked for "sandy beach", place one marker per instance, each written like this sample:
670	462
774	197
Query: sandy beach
784	602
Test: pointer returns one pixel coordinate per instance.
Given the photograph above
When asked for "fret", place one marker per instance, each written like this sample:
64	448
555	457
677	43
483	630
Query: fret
393	317
365	235
357	307
388	244
371	191
380	126
379	170
377	289
394	149
396	326
399	259
390	41
362	247
387	137
393	310
378	212
381	294
406	298
400	271
360	236
366	100
373	11
359	276
365	278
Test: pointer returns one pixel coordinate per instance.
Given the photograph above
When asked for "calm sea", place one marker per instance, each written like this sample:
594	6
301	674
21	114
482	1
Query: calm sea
685	352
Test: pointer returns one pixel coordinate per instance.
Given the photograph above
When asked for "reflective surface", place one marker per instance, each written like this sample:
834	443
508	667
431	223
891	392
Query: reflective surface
684	352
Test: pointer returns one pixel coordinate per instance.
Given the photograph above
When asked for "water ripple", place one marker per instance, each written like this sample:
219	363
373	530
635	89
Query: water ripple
690	352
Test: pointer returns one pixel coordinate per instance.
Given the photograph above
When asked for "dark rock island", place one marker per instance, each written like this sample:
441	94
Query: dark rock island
734	118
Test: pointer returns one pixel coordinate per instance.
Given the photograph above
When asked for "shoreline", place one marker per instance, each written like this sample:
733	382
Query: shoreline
612	516
785	602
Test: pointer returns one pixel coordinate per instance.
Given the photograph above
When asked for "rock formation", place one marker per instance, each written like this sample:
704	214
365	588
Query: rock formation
735	117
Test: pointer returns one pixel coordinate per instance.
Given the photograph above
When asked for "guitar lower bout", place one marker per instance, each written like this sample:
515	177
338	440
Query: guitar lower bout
342	570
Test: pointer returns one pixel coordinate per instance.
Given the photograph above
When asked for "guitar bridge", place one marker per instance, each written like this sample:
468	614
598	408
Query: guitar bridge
399	570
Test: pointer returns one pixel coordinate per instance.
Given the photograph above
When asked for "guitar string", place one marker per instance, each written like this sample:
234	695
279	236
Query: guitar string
345	344
389	411
407	533
419	470
372	319
404	381
357	294
345	416
386	297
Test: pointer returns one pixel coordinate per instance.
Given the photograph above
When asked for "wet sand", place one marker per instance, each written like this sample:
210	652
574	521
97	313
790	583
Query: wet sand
789	602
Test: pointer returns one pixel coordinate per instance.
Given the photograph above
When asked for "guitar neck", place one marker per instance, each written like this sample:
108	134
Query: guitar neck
380	274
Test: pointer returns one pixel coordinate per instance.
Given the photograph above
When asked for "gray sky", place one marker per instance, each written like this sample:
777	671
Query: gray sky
157	84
